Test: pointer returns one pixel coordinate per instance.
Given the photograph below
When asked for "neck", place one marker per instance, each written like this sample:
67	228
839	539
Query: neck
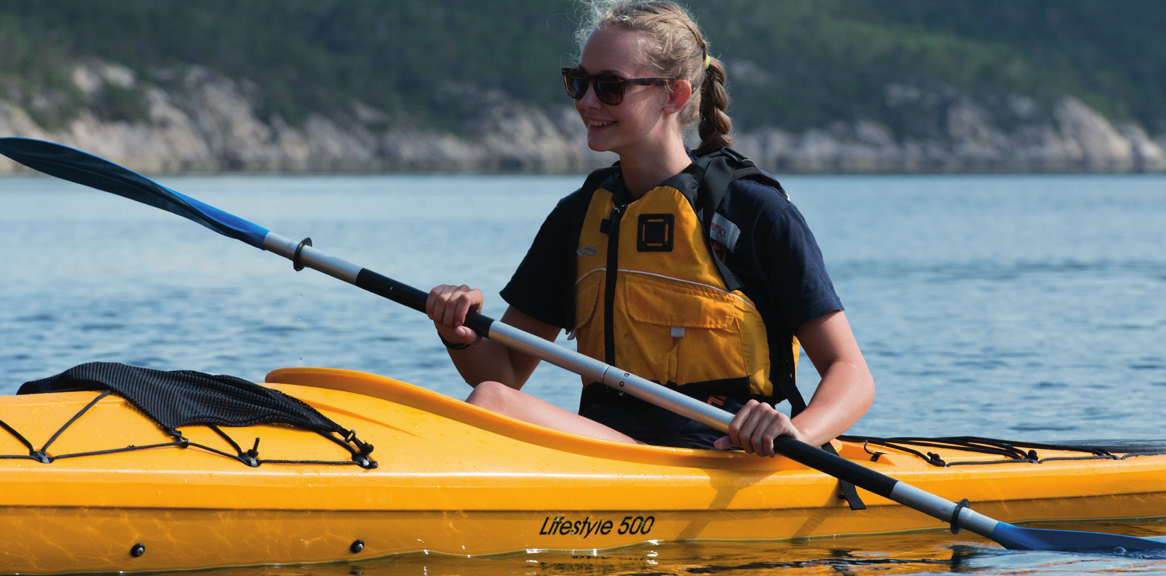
642	173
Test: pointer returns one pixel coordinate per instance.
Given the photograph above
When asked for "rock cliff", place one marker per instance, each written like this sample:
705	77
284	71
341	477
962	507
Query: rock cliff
201	121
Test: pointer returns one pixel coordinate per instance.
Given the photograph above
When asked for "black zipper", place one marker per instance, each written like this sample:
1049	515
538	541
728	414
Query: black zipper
609	289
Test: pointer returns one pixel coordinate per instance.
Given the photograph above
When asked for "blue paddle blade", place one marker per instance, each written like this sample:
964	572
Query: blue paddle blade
1018	538
88	170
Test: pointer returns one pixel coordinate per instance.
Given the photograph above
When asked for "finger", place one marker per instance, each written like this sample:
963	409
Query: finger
743	426
432	301
444	309
448	312
736	424
464	302
767	424
757	439
776	428
445	305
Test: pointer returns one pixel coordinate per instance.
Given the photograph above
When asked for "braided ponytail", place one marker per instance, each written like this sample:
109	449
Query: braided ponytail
678	51
715	123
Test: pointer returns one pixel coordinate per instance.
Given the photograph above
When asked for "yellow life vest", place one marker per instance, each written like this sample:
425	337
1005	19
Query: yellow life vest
650	299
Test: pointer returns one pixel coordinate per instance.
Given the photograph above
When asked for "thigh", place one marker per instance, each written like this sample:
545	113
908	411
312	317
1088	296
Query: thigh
517	404
634	418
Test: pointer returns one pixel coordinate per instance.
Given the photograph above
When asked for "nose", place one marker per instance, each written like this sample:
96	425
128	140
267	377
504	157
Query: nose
589	100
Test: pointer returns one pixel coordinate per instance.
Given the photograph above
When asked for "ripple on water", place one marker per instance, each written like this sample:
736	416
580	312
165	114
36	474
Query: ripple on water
40	317
1148	366
103	327
1043	427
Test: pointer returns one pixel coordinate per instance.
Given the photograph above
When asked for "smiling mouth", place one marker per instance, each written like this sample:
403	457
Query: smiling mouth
599	123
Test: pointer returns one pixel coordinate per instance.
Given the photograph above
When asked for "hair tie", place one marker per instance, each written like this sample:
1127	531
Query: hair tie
706	61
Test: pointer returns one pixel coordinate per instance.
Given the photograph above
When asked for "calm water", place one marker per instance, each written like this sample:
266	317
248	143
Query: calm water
1005	306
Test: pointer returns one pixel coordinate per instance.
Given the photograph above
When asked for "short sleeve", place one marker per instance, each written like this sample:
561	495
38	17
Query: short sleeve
779	255
542	286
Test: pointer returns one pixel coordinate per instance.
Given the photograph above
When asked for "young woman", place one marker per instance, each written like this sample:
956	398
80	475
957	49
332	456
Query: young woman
627	264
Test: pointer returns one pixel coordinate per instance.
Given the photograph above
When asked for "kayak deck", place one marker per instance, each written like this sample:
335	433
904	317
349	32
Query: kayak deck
453	478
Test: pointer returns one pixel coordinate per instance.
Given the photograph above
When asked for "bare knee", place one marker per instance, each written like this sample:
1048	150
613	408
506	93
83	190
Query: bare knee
491	395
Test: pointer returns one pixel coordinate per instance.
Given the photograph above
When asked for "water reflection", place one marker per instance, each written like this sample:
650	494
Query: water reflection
924	553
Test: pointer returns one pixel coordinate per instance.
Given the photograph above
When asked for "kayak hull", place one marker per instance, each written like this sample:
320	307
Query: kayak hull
451	478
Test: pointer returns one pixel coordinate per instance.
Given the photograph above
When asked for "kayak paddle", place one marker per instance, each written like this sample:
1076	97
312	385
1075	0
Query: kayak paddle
82	168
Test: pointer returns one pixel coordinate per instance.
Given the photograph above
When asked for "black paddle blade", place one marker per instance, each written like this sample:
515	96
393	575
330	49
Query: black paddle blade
88	170
1018	538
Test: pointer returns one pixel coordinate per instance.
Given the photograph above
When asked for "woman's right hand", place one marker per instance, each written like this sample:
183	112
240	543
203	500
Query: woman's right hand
448	307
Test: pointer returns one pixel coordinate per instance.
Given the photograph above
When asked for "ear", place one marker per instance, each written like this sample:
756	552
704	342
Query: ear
678	96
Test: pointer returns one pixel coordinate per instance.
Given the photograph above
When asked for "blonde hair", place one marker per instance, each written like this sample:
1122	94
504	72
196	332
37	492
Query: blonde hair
675	49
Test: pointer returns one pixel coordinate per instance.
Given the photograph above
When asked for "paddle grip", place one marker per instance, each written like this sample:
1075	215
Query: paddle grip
388	288
841	468
413	298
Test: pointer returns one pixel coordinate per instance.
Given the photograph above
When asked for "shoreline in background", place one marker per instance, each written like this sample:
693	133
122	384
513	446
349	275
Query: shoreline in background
208	123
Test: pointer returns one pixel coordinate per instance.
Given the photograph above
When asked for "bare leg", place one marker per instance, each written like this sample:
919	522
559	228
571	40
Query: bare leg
500	398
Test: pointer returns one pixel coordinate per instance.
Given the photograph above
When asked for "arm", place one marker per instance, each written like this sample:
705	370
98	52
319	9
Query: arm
847	387
790	273
844	394
484	359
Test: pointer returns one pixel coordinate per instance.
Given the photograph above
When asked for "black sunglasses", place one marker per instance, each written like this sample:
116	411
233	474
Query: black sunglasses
609	88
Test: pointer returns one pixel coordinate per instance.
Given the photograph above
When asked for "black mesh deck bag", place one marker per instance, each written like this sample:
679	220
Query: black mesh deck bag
180	398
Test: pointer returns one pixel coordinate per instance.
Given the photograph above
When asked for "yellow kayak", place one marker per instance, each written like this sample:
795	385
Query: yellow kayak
452	478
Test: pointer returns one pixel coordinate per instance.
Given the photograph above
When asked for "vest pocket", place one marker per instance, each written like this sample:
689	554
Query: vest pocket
587	295
682	332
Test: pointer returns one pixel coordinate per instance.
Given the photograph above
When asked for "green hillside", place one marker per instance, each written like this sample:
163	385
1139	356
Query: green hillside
793	63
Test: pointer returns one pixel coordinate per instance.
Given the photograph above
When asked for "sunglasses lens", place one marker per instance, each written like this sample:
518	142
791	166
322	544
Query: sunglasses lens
609	89
576	83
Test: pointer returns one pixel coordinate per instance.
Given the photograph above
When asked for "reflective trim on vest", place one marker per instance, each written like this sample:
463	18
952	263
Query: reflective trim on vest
675	320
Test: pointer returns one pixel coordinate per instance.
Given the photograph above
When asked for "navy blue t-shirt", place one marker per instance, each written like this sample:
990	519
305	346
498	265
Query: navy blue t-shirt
775	258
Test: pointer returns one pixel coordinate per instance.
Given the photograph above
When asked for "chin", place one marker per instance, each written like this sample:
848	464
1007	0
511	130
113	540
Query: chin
598	146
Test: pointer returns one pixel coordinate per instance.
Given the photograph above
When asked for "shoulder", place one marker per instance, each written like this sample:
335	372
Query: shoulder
768	222
750	201
743	183
566	219
759	191
575	201
541	285
578	201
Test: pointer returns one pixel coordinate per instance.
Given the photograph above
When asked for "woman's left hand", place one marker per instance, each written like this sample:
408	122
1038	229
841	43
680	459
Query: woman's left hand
755	427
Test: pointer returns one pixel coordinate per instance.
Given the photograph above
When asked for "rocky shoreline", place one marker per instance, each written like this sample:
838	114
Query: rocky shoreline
204	122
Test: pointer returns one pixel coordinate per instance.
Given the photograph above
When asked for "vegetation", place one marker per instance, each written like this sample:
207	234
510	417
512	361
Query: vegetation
793	63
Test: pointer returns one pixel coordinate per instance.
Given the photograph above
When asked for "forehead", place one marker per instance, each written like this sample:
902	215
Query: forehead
617	51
